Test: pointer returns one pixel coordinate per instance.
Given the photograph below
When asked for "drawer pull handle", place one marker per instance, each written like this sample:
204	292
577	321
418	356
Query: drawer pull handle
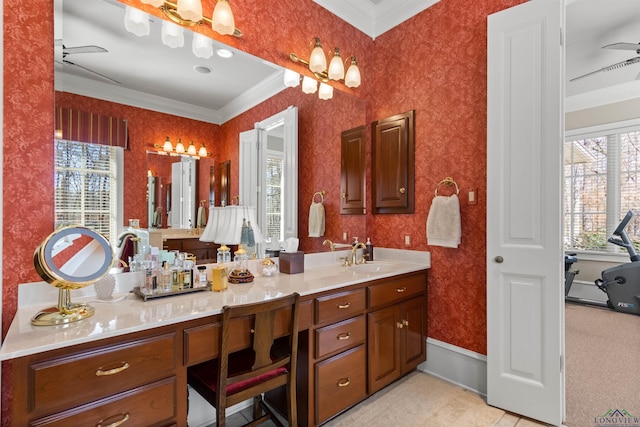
344	336
401	290
343	382
124	417
101	373
343	306
399	325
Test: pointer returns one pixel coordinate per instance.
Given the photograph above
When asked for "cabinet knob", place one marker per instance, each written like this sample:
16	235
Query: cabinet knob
101	373
343	306
344	195
402	190
343	382
498	259
405	322
344	336
399	325
123	417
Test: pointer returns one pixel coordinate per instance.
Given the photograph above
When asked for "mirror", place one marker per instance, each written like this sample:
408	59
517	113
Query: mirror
172	189
71	258
154	115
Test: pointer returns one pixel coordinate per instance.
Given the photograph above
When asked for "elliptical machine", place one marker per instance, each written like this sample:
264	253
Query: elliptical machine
622	283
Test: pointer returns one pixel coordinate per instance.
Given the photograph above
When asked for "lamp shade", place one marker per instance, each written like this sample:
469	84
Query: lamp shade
222	20
291	78
136	21
180	147
309	85
202	46
336	66
325	92
172	34
224	225
352	79
168	146
317	60
190	10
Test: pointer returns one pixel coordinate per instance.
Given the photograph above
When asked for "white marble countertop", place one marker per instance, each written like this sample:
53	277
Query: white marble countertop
128	313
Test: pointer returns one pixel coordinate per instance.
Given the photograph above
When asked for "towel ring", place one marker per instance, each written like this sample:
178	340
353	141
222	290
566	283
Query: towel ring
318	193
447	181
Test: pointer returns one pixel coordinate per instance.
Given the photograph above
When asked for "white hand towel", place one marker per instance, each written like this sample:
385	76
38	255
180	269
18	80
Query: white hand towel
443	222
316	220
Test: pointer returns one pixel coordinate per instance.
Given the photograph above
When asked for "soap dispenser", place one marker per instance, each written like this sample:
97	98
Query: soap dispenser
369	246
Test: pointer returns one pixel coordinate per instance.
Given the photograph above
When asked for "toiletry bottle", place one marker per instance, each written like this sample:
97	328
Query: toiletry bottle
165	278
202	276
355	242
176	282
187	275
369	249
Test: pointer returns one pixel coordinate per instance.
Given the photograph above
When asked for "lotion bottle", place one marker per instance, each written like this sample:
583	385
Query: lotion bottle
369	246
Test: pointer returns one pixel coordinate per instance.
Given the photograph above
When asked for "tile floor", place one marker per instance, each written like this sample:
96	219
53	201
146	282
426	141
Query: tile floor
452	406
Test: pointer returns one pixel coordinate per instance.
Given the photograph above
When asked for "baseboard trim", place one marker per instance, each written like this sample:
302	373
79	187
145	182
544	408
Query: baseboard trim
456	365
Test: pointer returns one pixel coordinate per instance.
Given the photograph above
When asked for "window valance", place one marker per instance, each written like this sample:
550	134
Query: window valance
75	125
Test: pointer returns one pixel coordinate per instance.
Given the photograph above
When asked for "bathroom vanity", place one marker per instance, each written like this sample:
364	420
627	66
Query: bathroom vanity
361	328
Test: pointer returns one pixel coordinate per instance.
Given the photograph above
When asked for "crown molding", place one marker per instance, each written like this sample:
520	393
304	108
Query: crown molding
107	92
608	95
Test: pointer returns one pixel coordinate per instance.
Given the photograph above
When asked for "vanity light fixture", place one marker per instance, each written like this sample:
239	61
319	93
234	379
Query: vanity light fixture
189	13
167	148
317	63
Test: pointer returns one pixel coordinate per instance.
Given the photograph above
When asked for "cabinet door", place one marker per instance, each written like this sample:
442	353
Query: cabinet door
352	171
384	347
393	164
413	347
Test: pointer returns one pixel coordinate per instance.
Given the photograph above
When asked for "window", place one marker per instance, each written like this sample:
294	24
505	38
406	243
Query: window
86	186
601	173
274	226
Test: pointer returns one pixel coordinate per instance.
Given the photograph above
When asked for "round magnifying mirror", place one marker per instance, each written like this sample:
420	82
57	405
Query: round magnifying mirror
71	258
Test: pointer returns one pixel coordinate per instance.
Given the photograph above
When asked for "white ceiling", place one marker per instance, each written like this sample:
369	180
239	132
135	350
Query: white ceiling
159	78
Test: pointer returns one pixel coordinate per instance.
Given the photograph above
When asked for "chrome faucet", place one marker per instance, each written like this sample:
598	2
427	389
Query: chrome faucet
332	246
354	252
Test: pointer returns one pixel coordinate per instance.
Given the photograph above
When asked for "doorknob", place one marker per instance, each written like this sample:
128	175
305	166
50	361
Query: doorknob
498	259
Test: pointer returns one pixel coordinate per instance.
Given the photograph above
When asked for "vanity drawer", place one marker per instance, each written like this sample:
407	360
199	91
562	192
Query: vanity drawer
340	336
340	306
396	290
99	373
340	383
149	405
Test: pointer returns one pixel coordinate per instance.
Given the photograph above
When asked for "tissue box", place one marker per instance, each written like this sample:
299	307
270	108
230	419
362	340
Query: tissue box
291	262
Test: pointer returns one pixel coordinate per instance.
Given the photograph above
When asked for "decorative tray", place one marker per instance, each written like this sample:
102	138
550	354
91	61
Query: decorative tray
157	295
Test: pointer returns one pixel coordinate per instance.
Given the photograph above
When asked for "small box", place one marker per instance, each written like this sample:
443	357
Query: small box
291	262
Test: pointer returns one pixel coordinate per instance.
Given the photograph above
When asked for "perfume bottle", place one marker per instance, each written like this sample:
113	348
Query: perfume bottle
165	278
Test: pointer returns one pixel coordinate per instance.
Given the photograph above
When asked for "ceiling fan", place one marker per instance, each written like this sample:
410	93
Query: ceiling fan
623	46
83	49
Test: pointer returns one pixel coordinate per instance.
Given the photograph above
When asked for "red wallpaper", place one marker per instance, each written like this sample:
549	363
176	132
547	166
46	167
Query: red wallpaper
434	63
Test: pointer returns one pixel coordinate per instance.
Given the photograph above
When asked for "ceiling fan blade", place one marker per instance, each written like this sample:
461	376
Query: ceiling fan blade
623	46
630	61
92	72
83	49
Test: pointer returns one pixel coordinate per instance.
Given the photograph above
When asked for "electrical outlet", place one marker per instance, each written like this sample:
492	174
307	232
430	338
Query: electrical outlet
344	236
407	240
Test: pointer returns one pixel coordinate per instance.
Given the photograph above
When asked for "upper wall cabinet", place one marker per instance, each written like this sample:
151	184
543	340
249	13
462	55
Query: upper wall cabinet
352	171
393	171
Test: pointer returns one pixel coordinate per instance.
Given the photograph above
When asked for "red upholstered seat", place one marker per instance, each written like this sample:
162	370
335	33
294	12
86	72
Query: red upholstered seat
235	377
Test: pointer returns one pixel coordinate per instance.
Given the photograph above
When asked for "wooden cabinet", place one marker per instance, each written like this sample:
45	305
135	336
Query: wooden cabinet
353	171
192	245
393	154
100	384
396	333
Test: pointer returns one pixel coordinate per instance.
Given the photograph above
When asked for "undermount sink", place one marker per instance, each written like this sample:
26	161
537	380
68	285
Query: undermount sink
373	267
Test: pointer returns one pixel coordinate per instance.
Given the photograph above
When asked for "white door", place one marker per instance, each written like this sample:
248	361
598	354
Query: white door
525	317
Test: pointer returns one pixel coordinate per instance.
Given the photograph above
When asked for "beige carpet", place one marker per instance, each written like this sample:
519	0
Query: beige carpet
423	400
603	363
